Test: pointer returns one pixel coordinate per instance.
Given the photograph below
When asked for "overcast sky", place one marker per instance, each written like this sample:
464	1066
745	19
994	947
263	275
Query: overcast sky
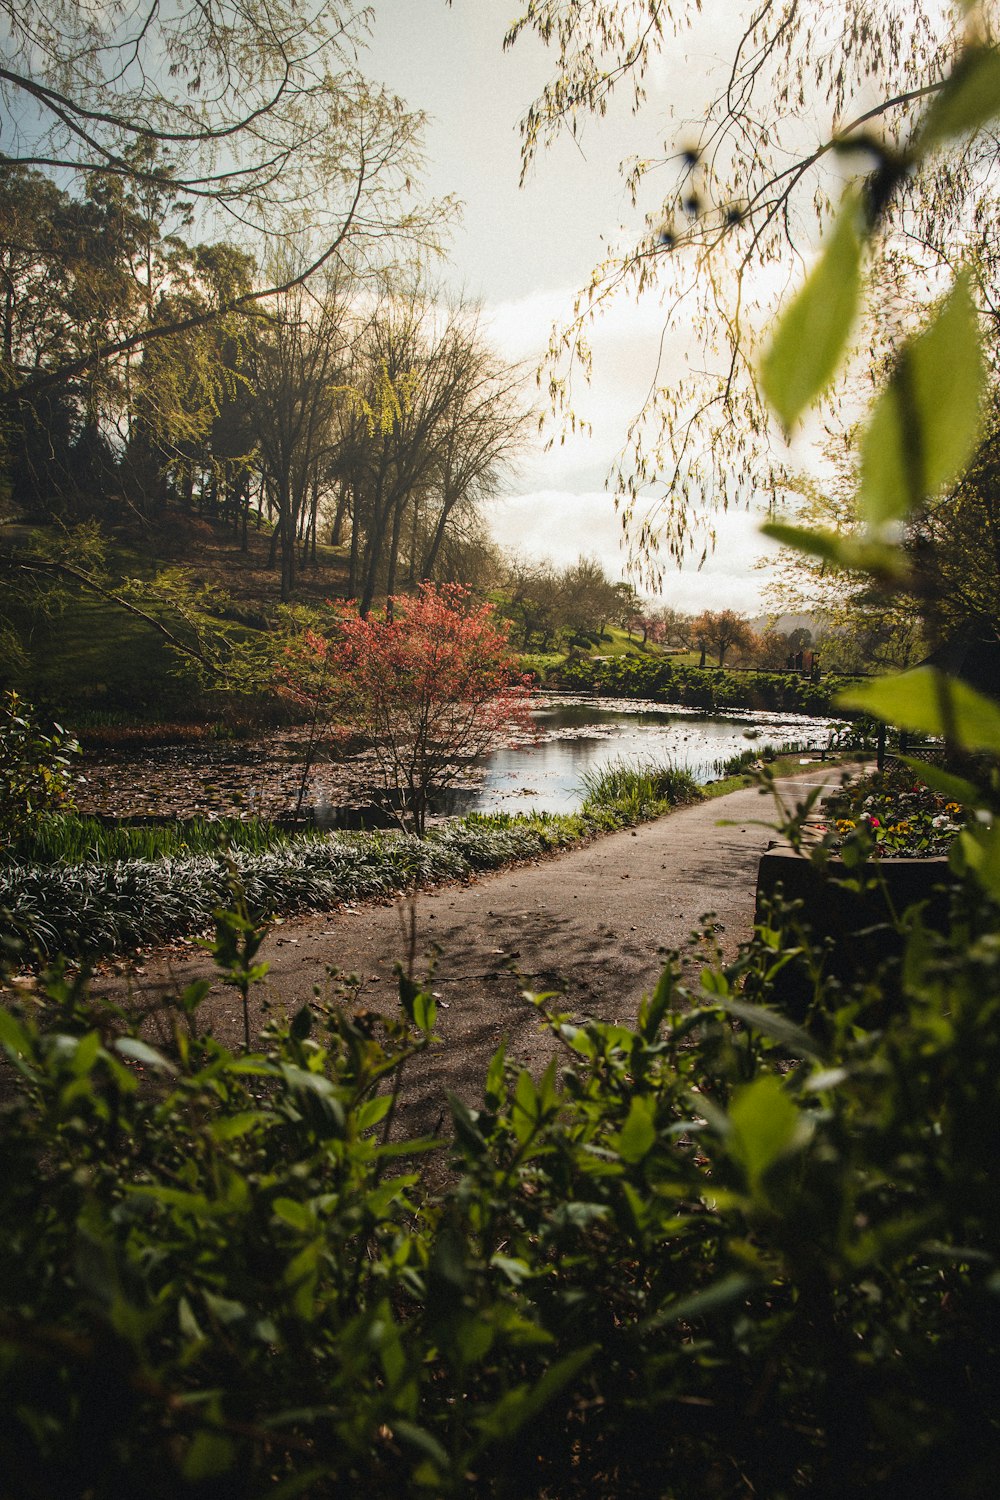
523	253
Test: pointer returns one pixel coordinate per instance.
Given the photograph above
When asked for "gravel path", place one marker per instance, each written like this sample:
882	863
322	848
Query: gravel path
593	922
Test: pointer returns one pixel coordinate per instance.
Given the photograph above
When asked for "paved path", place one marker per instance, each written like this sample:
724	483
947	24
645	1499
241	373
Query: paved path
594	922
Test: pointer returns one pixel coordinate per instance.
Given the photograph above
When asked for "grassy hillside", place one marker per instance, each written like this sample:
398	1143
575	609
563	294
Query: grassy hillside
614	643
84	657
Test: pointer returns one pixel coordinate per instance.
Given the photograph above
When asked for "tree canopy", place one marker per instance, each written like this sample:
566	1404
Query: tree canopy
258	117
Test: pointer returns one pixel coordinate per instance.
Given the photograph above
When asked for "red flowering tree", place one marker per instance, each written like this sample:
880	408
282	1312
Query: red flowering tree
432	685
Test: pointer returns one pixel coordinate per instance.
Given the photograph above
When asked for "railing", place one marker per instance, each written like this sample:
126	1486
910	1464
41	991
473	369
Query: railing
912	746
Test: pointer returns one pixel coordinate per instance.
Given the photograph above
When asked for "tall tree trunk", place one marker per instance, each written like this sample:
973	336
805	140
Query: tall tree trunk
397	526
352	570
287	566
431	555
314	523
337	529
374	548
415	521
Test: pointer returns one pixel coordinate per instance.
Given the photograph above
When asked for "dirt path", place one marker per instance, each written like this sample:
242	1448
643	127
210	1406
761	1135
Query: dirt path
594	922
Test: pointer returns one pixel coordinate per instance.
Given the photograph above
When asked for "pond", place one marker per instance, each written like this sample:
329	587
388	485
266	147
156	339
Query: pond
578	736
543	771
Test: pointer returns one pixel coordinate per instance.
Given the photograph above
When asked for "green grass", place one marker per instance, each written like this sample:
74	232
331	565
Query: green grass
102	904
638	792
80	840
93	655
615	643
618	643
781	765
84	656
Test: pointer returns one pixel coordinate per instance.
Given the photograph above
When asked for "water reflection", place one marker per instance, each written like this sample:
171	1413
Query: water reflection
575	738
568	738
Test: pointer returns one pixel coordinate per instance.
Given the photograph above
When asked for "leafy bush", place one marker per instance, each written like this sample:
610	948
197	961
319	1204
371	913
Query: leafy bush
35	769
433	686
709	1253
708	688
216	1247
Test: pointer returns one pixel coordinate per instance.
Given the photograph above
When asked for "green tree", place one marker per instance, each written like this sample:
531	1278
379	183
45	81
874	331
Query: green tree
868	626
249	112
530	590
587	597
79	273
953	545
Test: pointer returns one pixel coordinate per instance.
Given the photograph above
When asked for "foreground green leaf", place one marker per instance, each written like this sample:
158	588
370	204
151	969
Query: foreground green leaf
927	702
924	424
810	339
969	99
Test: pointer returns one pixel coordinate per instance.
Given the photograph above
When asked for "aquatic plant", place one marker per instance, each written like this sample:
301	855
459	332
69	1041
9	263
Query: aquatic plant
637	791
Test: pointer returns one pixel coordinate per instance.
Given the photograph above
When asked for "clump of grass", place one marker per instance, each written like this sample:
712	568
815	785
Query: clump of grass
739	764
635	792
75	839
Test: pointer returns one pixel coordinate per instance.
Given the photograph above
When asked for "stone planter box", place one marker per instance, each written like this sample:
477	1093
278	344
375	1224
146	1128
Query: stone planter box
858	928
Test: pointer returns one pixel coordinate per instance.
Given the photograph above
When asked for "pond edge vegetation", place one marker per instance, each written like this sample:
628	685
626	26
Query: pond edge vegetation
96	908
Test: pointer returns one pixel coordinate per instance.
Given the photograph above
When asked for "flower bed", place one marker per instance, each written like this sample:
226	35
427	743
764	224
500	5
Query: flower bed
893	812
879	851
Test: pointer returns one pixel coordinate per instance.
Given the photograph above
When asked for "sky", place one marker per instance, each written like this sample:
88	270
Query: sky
522	252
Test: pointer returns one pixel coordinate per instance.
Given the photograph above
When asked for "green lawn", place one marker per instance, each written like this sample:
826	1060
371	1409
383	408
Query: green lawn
91	656
615	642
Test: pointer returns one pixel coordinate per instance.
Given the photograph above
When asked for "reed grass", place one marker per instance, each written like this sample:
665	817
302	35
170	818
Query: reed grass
637	791
75	839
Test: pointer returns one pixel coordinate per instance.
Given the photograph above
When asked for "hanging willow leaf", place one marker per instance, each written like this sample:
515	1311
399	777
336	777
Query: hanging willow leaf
925	423
809	343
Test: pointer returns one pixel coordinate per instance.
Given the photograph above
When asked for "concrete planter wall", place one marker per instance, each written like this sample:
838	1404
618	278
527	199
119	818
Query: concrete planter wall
859	928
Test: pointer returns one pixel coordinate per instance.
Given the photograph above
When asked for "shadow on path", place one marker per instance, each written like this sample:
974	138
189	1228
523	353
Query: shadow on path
593	923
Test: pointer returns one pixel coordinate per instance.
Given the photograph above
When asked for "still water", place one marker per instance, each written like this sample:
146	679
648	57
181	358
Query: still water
577	736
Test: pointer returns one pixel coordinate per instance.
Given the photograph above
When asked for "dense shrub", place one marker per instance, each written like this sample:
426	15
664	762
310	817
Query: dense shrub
35	769
709	688
710	1253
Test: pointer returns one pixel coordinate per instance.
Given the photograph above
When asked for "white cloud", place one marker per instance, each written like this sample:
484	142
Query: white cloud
560	509
626	342
562	524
